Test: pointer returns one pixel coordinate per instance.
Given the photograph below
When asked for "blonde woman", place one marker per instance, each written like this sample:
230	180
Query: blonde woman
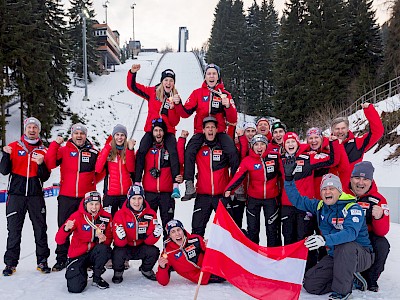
160	99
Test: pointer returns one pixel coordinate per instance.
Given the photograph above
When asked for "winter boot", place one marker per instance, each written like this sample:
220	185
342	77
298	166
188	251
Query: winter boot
190	191
176	193
373	288
100	282
359	282
43	267
117	278
9	270
335	296
60	265
148	274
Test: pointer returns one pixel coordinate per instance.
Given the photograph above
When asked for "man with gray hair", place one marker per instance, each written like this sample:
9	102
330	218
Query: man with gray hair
24	161
343	232
357	146
77	161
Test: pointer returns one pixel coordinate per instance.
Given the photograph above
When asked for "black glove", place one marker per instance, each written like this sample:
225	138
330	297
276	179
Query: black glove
290	167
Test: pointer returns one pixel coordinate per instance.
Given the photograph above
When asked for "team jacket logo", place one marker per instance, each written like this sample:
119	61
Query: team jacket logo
205	153
217	152
270	163
21	152
205	98
191	247
257	166
154	151
86	154
300	162
86	227
338	223
130	224
364	205
179	254
73	154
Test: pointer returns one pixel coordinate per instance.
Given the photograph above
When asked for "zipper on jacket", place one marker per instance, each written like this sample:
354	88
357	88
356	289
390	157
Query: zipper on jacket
265	178
120	174
27	174
159	167
211	169
77	175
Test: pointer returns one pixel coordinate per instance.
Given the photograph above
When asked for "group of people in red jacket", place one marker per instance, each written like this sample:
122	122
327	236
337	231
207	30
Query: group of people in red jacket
244	172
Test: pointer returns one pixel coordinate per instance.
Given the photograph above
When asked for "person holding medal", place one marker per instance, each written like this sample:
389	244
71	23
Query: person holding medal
184	253
90	227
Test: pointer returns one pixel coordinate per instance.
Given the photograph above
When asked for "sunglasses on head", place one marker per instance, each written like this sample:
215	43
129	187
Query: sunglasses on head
159	120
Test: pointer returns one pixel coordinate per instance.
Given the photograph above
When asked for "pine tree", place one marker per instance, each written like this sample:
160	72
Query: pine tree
270	33
75	37
365	47
392	49
289	66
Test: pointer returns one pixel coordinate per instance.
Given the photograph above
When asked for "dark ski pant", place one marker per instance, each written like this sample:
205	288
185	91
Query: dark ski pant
203	207
271	213
238	208
194	145
296	225
66	207
76	273
166	205
336	273
16	209
147	253
145	145
111	204
381	250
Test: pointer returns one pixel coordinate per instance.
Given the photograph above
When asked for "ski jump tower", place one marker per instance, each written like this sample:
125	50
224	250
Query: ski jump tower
183	37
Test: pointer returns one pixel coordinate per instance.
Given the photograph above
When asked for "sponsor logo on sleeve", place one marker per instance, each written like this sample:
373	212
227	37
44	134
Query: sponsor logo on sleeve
355	219
355	212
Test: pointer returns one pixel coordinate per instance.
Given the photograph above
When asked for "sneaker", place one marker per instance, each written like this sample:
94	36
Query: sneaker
335	296
373	288
176	193
359	282
126	265
9	270
117	278
100	283
43	267
108	264
60	265
148	274
190	191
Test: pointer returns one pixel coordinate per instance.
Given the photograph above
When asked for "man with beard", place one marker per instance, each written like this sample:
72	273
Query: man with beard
157	172
77	161
376	211
213	164
24	161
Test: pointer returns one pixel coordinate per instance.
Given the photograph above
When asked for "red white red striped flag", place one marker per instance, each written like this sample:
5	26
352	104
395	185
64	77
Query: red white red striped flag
261	272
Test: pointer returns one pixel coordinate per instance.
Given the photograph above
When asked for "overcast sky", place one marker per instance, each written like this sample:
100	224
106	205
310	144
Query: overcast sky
157	21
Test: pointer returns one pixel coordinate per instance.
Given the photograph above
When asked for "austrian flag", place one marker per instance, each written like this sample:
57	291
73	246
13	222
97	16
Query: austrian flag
261	272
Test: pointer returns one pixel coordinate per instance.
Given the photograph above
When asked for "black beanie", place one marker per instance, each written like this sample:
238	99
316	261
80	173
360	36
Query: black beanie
159	123
167	73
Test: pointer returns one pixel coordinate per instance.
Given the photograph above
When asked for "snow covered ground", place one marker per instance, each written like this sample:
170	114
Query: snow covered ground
111	103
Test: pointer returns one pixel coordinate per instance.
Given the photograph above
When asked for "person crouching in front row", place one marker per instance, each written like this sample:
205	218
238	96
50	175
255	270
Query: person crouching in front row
90	227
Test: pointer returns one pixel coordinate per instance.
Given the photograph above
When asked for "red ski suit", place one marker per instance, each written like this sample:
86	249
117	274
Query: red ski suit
357	146
186	261
138	227
77	167
118	172
83	235
157	108
263	173
206	103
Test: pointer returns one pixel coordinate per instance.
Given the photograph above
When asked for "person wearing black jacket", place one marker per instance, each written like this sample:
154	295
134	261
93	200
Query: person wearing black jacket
24	161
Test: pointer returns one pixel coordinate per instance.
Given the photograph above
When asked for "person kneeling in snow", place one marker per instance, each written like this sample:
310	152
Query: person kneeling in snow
135	232
344	232
91	232
183	252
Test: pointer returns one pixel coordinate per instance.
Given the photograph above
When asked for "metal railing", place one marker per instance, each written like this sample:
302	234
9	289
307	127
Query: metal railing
376	95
